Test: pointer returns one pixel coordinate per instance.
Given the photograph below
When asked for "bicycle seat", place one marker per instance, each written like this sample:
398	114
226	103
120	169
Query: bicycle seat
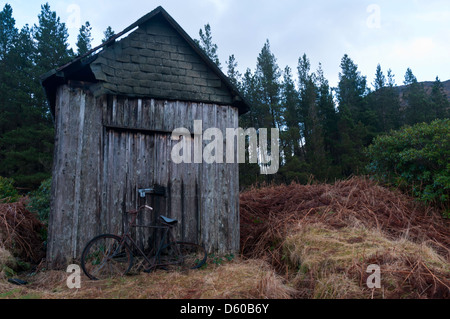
169	221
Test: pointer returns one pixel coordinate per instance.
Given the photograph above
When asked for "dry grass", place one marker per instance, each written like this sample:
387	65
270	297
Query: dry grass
20	231
322	238
250	279
267	213
337	259
297	241
7	261
6	258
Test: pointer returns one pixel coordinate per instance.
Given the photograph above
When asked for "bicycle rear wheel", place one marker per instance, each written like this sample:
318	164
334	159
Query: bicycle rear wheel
179	256
105	257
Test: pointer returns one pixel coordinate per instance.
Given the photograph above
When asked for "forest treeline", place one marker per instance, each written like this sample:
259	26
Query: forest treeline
26	124
324	131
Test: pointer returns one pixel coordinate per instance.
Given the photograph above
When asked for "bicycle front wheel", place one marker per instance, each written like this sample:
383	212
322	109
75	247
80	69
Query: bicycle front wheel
106	256
179	256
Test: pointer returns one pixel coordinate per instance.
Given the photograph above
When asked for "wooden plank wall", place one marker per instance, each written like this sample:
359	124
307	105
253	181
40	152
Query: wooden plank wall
108	147
76	183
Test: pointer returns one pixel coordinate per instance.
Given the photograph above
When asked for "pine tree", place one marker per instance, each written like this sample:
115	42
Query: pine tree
26	147
390	78
314	139
20	82
268	74
439	100
418	103
384	101
251	90
27	154
16	76
51	36
206	43
393	102
329	120
52	47
380	79
357	122
303	68
291	135
350	144
108	34
352	89
26	142
8	36
262	91
8	30
410	78
325	102
294	166
232	72
306	95
84	39
249	173
313	130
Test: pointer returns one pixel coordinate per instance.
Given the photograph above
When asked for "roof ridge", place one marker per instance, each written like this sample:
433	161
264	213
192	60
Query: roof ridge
235	92
131	27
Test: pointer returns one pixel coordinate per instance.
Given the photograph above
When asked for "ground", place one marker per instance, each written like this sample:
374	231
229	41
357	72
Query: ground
314	241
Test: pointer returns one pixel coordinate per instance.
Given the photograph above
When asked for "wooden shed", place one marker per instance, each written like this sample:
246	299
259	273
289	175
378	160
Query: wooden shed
115	110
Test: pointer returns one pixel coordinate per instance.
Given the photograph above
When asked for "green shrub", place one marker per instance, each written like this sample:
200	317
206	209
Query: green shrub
40	200
8	193
416	159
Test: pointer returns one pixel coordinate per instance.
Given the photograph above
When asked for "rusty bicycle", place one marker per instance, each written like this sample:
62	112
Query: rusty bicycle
110	255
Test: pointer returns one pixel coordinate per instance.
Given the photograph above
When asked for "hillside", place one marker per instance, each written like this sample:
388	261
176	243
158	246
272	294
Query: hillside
428	85
446	85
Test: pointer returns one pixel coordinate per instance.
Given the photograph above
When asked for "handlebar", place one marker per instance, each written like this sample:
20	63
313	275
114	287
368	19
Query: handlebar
135	212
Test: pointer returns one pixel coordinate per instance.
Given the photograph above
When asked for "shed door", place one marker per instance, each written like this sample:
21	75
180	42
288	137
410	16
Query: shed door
132	161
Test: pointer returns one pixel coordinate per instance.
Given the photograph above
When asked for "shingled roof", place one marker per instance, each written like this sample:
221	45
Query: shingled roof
158	59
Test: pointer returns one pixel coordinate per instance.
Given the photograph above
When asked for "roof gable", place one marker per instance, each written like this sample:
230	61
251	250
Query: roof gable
157	60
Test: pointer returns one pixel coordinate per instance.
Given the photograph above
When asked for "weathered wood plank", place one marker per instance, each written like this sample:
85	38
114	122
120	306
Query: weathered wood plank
106	148
221	195
56	235
90	175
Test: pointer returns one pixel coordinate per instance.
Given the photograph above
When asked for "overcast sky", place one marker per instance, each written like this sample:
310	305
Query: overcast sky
397	34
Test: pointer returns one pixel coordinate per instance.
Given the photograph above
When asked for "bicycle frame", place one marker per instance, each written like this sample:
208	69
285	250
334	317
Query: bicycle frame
165	254
126	238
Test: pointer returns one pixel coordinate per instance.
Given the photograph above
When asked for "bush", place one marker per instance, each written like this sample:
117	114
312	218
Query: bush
20	231
40	200
8	193
8	263
416	159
